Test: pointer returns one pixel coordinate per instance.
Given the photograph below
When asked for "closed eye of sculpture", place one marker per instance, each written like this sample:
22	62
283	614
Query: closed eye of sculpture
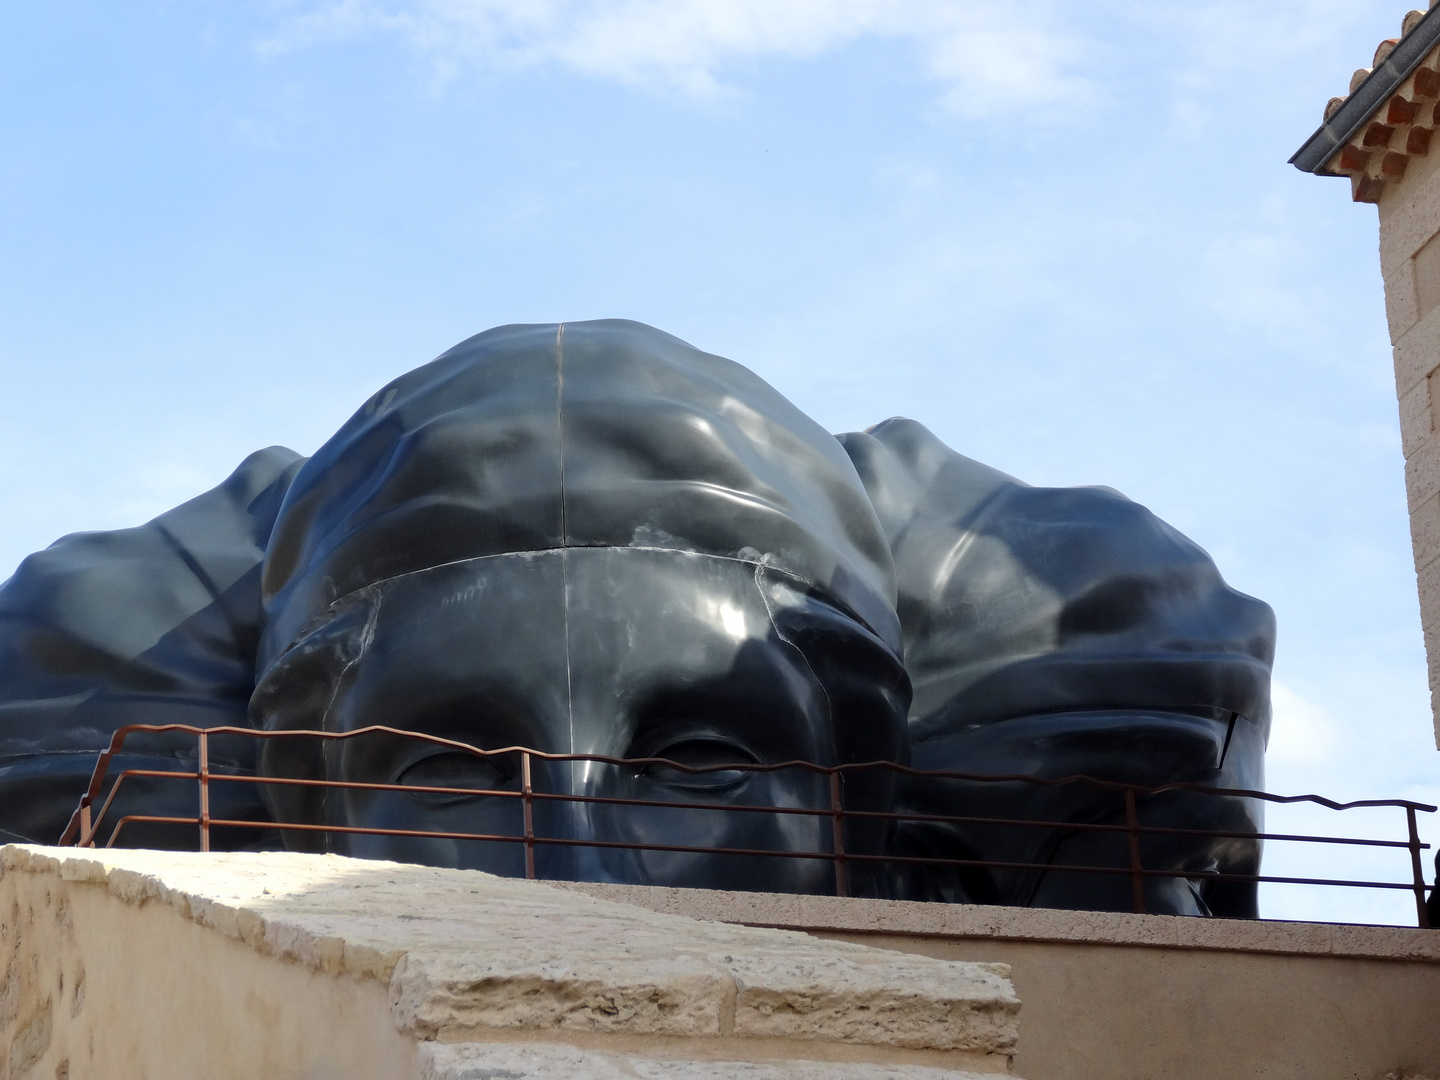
704	754
456	769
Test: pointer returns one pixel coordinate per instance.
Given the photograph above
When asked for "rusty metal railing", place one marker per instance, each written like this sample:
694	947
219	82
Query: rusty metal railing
84	826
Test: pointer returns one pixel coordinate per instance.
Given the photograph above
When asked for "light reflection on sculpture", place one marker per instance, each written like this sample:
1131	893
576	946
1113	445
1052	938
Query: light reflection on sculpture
597	539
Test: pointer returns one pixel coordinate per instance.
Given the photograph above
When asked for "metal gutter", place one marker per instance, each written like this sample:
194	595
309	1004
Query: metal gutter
1369	96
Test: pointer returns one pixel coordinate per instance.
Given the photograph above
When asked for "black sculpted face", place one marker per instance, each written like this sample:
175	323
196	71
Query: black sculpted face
617	652
596	539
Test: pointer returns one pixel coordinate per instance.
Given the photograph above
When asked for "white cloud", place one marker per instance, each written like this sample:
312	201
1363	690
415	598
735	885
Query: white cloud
988	56
1302	733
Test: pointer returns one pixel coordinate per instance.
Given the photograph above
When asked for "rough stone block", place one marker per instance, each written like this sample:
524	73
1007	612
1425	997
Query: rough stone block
1428	580
1417	353
1425	267
1278	937
492	1061
1374	941
1422	473
464	954
1425	532
1054	925
1415	416
1402	310
869	1000
1409	218
636	995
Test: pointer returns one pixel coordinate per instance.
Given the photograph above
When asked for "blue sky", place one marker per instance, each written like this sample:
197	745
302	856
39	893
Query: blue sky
1064	236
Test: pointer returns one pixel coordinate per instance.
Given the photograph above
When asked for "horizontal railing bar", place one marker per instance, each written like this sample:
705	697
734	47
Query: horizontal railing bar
1194	875
105	806
151	818
120	778
794	810
117	740
297	781
555	841
288	826
1115	785
689	849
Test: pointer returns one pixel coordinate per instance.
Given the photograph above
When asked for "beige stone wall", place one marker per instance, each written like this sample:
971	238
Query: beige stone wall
1410	263
172	966
1102	1012
95	987
1113	996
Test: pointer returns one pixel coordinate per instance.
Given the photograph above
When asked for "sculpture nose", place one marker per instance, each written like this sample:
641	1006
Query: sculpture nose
568	821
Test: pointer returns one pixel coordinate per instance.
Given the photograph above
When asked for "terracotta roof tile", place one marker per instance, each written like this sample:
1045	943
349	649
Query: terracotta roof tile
1398	130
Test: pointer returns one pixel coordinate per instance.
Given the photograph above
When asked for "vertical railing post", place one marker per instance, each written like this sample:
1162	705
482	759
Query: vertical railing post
1137	871
525	803
837	830
1422	914
204	773
85	839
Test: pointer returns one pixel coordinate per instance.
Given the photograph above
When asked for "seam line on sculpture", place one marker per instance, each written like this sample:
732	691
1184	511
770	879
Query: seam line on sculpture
366	637
565	611
760	569
560	424
615	547
564	533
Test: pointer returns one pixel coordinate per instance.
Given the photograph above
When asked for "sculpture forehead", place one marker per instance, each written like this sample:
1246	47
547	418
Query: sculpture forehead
592	434
605	625
500	611
567	649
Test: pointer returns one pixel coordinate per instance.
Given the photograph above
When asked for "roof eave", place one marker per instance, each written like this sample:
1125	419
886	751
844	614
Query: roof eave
1369	96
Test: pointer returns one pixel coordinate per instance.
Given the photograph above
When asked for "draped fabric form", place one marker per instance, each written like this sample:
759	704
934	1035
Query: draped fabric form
151	625
1066	631
593	538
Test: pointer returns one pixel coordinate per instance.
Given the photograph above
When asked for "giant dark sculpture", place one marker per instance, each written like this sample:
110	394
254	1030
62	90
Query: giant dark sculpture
594	538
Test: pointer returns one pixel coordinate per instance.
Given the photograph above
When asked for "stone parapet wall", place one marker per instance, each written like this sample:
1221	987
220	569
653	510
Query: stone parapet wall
1113	996
988	922
161	964
304	967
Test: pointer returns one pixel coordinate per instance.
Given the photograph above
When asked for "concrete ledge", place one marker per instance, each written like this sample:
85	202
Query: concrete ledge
1123	997
289	965
955	921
